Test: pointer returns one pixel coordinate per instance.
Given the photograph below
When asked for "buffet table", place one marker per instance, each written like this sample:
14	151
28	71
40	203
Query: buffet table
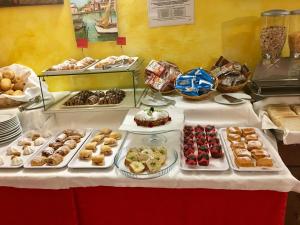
88	197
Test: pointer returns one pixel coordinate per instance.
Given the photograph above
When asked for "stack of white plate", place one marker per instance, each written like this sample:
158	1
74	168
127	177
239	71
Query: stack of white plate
10	128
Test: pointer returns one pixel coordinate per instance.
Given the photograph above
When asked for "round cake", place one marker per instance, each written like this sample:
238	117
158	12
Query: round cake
152	117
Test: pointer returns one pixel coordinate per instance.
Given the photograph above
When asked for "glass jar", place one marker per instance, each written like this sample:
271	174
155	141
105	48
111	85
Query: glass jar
294	34
273	33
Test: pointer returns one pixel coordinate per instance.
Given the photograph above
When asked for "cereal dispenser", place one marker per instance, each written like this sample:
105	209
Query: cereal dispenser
273	34
294	34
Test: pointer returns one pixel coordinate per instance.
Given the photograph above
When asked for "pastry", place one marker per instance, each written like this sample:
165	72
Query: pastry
115	135
5	84
24	141
1	161
244	161
259	153
264	162
191	160
106	150
9	92
46	134
240	152
16	161
159	157
238	144
110	141
74	137
296	109
153	165
63	150
216	151
105	131
254	145
147	151
143	158
31	133
71	144
203	159
39	141
233	130
91	146
251	137
56	145
54	160
38	161
136	167
233	137
13	151
162	150
290	123
85	154
74	132
152	117
92	100
28	150
98	160
98	138
61	137
47	151
248	131
131	156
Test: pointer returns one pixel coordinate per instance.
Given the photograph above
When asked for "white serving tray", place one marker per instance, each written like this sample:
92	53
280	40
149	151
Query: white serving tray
61	72
118	68
77	163
176	123
6	158
220	164
277	162
66	159
86	106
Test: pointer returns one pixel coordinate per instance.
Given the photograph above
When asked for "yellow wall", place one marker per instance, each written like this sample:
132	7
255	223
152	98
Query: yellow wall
41	36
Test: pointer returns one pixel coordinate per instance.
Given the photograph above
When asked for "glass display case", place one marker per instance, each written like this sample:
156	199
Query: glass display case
92	89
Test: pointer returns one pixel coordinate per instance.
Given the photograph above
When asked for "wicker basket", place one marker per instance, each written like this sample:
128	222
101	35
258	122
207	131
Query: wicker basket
201	97
236	88
162	92
9	103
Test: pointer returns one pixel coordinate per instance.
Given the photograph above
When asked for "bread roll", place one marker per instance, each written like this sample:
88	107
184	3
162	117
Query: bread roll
9	92
8	74
5	84
19	85
18	93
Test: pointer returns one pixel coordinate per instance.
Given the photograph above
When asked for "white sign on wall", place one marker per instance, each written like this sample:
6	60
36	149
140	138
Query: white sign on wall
170	12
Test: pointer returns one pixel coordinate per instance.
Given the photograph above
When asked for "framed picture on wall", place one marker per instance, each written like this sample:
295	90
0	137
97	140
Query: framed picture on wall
6	3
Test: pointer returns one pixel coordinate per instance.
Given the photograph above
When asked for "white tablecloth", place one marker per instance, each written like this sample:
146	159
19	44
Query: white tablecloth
200	112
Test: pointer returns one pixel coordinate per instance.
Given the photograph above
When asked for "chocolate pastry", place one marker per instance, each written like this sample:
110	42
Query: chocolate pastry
92	100
100	94
56	145
47	152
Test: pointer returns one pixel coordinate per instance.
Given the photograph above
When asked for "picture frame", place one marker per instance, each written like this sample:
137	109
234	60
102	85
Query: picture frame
13	3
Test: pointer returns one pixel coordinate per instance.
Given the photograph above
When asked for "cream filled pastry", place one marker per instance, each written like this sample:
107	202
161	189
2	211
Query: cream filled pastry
152	117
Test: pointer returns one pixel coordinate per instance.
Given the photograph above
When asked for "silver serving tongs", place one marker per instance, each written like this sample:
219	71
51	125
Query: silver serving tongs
32	101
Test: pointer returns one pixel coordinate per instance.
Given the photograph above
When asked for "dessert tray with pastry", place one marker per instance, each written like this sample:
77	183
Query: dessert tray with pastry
70	66
249	150
99	150
111	97
113	63
161	76
196	84
139	161
59	150
152	120
16	153
202	149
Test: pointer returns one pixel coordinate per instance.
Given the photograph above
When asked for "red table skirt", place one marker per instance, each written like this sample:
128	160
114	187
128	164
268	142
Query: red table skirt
140	206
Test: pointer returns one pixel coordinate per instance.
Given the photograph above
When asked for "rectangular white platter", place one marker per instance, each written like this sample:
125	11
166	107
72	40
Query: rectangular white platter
277	162
60	72
77	163
220	164
66	158
116	69
7	158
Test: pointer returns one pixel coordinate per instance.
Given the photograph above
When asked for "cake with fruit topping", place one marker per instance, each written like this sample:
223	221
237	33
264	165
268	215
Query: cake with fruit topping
152	117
